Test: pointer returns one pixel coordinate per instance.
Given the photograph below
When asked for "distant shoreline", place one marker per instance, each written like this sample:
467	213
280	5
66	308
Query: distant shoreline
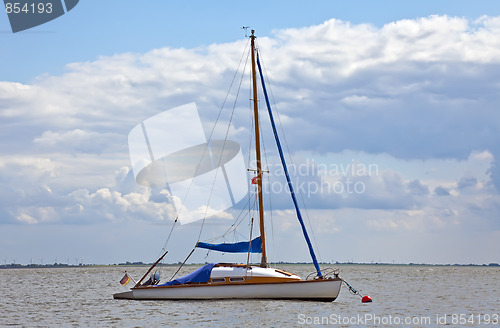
135	264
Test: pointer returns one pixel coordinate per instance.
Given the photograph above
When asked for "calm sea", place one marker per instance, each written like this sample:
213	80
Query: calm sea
403	296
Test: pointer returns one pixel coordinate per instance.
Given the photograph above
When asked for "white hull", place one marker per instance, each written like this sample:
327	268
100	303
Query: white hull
314	290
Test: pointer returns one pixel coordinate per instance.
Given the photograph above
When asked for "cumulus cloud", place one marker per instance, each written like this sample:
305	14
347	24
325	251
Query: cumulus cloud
417	90
78	140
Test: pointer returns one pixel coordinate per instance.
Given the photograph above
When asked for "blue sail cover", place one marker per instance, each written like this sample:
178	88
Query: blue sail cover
241	247
200	275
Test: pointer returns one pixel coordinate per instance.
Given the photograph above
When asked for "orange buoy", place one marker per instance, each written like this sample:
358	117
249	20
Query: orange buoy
366	299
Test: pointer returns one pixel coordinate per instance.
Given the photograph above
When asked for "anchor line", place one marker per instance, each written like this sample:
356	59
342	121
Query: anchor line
351	289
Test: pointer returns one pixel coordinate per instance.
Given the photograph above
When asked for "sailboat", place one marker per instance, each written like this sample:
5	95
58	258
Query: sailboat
245	281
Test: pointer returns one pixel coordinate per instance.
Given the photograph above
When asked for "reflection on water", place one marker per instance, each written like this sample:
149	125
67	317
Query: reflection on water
83	297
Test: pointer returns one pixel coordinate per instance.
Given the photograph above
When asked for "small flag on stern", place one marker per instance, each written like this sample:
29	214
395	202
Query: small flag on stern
125	280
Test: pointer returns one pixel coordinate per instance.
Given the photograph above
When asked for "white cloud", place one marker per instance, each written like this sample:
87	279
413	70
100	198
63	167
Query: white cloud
416	97
482	156
25	218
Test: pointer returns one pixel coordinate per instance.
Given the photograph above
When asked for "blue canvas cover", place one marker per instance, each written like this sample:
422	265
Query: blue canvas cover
200	275
241	247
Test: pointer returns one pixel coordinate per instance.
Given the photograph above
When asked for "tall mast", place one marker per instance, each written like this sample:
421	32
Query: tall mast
263	261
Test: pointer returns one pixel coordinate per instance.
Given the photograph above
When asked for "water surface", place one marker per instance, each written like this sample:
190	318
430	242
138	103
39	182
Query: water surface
403	296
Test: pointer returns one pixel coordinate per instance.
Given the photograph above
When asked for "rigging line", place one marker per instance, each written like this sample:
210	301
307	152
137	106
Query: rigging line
238	220
233	228
310	226
235	224
223	148
250	243
169	235
269	191
271	218
251	207
182	264
245	51
251	134
225	238
290	159
250	144
290	186
209	138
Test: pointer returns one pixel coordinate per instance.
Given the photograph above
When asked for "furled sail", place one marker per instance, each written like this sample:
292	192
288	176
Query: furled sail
241	247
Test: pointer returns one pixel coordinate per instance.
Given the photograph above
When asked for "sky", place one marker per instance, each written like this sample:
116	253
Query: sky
389	111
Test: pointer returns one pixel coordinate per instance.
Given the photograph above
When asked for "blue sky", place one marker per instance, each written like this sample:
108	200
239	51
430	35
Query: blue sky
410	88
110	27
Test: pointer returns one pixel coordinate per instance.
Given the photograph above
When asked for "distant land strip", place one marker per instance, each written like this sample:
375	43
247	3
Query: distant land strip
63	265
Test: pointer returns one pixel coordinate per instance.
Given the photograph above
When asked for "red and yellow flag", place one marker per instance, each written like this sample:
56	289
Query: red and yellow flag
125	280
